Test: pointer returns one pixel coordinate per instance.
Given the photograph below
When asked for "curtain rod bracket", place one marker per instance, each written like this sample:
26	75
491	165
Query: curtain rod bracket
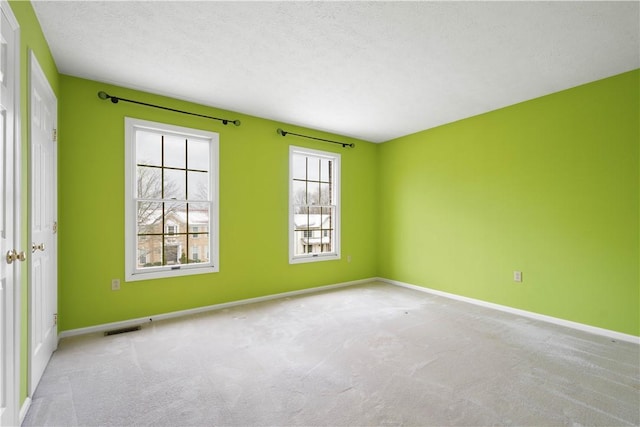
115	99
283	132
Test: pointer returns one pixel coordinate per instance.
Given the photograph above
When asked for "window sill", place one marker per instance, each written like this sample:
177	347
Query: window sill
165	273
314	258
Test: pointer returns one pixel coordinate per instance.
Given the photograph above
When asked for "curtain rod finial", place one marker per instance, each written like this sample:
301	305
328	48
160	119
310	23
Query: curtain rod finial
236	122
103	95
281	132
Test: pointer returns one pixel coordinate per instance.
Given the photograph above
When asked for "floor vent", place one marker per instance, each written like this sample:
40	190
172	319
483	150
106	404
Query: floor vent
122	330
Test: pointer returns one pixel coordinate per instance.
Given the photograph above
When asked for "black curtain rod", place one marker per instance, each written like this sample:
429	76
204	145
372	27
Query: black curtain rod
115	99
344	144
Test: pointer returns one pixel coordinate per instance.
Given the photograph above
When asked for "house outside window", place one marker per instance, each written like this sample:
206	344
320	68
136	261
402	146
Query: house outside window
314	205
171	193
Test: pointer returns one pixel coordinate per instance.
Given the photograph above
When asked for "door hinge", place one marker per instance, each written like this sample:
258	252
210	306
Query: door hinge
55	319
55	135
55	227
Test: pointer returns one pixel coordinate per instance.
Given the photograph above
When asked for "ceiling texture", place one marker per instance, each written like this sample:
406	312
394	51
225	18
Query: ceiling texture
371	70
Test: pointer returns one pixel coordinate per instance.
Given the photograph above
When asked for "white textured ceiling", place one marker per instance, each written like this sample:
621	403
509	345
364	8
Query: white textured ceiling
371	70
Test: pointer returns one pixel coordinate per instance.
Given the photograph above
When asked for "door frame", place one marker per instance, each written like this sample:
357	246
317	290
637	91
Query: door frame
13	399
36	70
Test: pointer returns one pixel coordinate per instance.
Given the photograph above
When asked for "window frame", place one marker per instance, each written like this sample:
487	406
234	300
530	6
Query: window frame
172	230
336	182
132	272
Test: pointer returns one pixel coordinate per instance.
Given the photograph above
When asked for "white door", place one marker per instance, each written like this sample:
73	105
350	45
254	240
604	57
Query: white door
43	282
9	220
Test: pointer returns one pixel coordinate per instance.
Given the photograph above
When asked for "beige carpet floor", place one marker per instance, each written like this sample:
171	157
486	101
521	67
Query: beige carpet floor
374	355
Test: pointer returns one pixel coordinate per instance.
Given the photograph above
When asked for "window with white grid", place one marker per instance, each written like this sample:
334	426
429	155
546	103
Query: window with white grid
171	200
314	205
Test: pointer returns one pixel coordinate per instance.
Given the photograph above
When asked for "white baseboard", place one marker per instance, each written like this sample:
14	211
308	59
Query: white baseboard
24	409
181	313
549	319
567	323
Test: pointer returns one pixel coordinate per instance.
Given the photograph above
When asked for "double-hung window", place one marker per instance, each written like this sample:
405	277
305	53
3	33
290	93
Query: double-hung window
171	200
314	205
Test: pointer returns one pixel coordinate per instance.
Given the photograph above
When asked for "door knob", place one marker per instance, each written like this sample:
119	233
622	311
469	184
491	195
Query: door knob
12	255
35	247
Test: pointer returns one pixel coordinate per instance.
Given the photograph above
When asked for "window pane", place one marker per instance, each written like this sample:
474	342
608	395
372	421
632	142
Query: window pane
313	193
299	164
300	246
315	210
174	151
313	168
148	148
198	249
325	194
301	218
199	217
325	166
175	214
149	251
198	188
149	219
327	218
327	229
198	154
175	250
175	185
314	219
148	182
299	193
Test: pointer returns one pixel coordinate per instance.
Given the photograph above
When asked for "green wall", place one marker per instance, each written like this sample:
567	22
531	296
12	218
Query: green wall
253	210
549	187
31	39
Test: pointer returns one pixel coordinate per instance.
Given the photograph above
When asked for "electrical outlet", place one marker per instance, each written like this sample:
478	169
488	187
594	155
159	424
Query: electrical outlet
115	284
517	276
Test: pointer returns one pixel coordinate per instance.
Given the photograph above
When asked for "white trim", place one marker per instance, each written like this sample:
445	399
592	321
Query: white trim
17	219
182	313
549	319
132	273
13	398
335	239
24	409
